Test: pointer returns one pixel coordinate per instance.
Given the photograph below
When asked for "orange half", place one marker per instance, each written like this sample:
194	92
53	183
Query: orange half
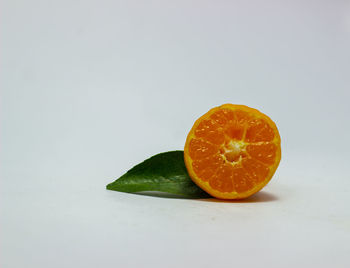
232	151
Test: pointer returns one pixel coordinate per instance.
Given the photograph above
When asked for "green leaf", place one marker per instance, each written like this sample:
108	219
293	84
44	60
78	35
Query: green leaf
164	172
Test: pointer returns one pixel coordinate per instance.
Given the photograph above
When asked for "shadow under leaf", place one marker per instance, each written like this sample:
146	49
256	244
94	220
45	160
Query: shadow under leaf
256	198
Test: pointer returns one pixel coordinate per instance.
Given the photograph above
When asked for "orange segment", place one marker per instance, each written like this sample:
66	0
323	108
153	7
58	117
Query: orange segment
259	130
243	182
222	179
265	153
199	148
256	170
206	167
232	151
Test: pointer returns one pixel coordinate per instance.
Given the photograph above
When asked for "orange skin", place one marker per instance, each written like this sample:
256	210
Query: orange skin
245	154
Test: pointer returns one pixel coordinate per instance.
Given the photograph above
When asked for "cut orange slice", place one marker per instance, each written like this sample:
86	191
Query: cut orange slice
232	151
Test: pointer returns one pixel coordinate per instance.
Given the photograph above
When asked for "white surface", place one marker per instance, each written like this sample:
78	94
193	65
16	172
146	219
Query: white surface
90	88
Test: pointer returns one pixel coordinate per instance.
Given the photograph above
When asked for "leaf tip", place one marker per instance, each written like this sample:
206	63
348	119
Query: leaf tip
109	186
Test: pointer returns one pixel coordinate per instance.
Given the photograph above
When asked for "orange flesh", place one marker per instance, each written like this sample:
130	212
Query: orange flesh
232	151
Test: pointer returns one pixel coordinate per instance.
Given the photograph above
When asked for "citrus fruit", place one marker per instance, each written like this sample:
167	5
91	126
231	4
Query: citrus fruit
232	151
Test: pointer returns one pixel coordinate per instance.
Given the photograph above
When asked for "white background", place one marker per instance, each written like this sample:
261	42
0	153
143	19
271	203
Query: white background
90	88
